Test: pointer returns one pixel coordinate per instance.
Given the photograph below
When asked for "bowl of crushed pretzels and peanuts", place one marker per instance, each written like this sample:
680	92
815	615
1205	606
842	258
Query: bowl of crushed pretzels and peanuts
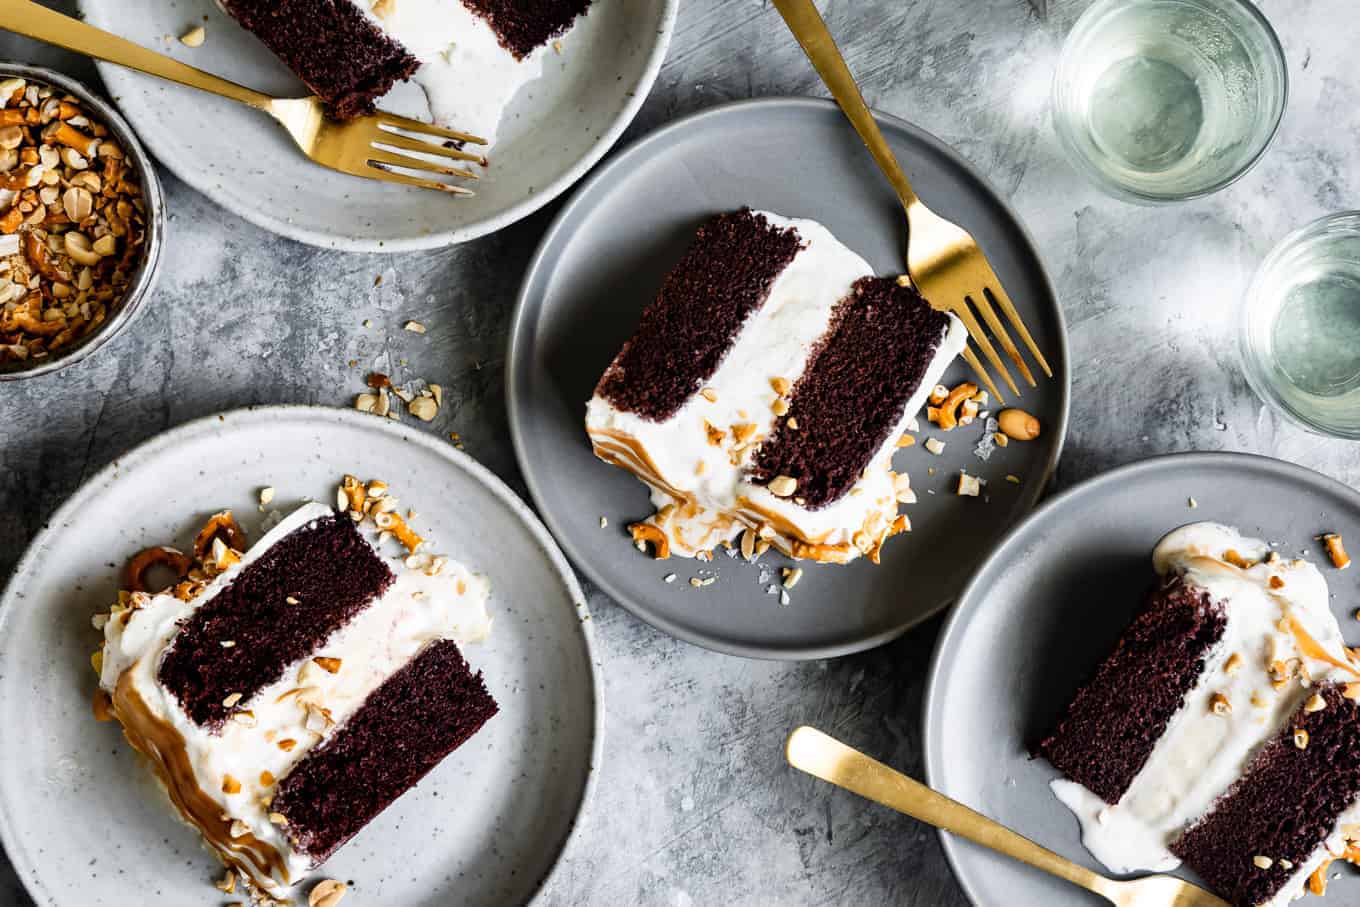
81	220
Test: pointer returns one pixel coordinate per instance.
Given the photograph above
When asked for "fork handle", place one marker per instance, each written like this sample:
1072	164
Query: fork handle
810	29
825	757
32	20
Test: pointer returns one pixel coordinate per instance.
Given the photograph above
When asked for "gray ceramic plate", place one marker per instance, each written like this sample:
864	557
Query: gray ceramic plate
79	815
603	260
1049	604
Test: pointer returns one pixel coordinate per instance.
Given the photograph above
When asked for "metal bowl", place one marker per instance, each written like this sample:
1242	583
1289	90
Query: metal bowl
125	310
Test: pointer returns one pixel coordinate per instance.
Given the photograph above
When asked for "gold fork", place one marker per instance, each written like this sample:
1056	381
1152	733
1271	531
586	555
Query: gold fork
351	147
943	260
809	750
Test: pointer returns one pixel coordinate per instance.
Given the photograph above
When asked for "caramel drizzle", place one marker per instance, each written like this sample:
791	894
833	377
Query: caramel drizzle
160	743
1313	649
1308	646
620	449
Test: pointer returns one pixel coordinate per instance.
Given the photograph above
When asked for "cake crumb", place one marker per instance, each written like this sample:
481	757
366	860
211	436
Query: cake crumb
194	37
791	576
266	496
935	446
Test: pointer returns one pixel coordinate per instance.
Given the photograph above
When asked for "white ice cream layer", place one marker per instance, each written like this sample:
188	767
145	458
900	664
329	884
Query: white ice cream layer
1201	753
776	341
468	77
415	611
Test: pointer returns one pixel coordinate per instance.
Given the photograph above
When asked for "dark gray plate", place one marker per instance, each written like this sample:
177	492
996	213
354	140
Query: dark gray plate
1049	604
602	262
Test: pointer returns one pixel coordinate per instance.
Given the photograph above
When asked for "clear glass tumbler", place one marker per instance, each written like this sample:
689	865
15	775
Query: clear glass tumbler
1163	100
1300	331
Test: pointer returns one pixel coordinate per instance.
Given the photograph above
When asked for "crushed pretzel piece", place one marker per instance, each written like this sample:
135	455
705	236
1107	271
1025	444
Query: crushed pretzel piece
645	534
1336	550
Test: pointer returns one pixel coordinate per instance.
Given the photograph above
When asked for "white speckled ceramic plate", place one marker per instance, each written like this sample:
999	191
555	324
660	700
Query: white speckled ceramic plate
1048	605
80	816
554	131
602	262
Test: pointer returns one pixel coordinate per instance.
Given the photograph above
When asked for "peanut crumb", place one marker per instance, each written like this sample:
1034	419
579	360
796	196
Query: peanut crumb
194	37
327	893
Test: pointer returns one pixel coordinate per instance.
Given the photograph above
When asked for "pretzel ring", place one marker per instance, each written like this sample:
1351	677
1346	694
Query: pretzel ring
224	524
144	560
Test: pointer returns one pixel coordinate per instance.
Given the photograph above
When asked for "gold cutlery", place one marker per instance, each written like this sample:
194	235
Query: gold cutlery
943	260
821	756
353	146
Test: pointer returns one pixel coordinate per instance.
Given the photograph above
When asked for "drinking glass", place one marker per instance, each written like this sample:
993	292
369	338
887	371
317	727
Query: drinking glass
1300	331
1163	100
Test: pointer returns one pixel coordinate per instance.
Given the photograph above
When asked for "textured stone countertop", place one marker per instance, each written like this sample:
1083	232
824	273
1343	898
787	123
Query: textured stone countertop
694	804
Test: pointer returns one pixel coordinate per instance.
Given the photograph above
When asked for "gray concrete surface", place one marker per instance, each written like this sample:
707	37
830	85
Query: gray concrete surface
694	805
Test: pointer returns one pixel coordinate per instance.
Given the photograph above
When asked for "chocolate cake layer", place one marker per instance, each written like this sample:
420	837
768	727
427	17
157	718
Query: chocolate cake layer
1284	806
684	334
880	342
330	574
331	46
523	25
418	716
1112	724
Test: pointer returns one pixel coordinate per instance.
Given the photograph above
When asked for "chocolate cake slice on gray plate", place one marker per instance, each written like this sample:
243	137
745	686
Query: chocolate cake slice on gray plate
764	391
1223	731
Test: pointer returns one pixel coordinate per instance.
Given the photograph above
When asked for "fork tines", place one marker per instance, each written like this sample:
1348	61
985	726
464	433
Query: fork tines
982	301
390	138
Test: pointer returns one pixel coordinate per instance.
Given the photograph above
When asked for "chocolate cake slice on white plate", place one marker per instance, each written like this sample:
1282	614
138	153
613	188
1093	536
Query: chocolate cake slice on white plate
287	694
470	57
